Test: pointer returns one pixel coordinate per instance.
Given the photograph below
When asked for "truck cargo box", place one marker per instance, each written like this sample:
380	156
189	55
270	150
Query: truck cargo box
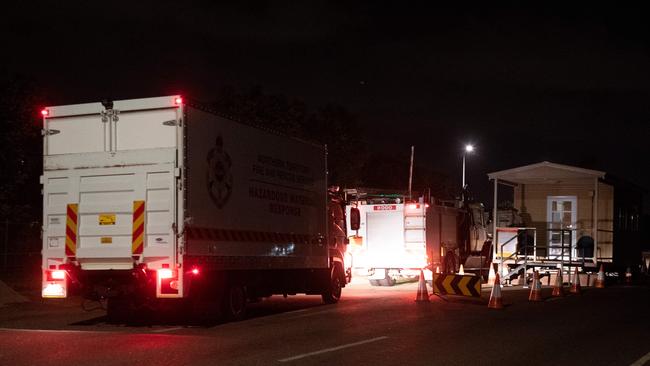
172	189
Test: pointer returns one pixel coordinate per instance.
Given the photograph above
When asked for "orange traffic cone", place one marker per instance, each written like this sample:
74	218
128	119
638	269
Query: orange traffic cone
423	294
495	295
600	278
575	286
628	275
535	289
558	288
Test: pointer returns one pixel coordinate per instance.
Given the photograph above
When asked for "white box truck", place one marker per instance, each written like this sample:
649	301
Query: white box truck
147	201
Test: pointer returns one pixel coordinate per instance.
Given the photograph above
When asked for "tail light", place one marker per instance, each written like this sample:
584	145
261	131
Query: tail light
195	271
168	281
165	273
178	100
53	290
56	275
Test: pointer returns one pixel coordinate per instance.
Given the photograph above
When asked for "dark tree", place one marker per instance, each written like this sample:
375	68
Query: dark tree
21	150
331	125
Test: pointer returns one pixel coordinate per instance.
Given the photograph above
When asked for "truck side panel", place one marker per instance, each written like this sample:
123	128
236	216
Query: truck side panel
255	200
442	230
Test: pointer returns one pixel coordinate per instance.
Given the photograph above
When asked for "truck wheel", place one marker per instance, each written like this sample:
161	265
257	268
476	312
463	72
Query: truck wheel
234	302
388	281
333	293
374	282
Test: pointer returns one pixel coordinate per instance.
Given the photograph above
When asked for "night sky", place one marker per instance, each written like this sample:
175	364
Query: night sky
568	85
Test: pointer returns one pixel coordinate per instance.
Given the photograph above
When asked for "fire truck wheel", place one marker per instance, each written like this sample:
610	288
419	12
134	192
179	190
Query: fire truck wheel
374	283
333	293
234	302
388	281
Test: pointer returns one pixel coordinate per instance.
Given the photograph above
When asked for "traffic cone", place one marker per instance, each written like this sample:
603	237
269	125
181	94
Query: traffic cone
600	278
461	271
423	293
536	289
491	274
558	288
628	276
495	296
575	286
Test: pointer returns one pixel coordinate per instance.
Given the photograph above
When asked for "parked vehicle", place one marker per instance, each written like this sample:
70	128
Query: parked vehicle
151	202
397	237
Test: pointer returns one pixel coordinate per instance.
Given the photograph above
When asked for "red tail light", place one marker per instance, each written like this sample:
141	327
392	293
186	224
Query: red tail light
195	271
45	112
57	275
178	100
165	273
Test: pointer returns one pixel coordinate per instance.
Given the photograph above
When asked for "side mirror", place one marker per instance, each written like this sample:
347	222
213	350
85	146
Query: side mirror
355	218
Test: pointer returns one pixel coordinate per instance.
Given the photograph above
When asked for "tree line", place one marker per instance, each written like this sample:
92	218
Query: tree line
352	163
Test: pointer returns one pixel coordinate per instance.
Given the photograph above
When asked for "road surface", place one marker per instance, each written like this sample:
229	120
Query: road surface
370	326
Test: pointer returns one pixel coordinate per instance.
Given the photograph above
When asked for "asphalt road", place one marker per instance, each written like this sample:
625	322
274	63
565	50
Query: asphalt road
370	326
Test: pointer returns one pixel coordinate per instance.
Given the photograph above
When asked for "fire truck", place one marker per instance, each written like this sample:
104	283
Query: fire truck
154	202
398	236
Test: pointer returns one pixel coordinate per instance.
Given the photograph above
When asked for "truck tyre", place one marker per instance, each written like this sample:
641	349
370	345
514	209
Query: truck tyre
374	283
233	303
332	293
388	281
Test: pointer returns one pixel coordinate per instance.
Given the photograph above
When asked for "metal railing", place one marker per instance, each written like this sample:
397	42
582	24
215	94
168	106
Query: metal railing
515	253
522	256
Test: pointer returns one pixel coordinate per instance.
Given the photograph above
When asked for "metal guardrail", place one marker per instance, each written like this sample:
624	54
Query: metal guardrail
522	258
515	254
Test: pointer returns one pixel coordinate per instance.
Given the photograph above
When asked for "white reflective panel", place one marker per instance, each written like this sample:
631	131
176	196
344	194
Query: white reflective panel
146	129
75	134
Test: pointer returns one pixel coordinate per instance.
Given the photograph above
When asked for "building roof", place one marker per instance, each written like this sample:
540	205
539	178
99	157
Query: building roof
547	173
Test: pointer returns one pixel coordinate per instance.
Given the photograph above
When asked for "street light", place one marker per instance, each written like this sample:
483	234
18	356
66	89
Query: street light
468	149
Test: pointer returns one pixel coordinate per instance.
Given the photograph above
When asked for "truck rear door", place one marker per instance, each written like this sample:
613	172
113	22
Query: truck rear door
110	183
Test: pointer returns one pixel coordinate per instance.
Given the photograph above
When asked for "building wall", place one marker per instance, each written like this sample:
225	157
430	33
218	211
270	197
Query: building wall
531	201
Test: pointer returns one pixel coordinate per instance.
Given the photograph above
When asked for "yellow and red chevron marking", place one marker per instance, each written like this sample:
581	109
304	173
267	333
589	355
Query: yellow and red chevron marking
137	242
452	284
212	234
71	224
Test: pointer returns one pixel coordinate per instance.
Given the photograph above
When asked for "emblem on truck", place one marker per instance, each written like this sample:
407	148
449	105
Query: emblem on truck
219	177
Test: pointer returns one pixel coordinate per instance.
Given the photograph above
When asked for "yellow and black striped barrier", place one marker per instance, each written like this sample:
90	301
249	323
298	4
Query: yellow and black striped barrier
455	284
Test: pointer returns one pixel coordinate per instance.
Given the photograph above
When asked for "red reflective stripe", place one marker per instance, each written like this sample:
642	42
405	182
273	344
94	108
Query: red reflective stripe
71	234
71	214
138	232
139	211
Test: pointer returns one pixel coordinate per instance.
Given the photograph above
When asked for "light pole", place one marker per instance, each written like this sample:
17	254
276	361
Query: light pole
468	149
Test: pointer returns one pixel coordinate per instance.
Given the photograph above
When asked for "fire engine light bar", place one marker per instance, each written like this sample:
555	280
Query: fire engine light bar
195	271
58	275
165	273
